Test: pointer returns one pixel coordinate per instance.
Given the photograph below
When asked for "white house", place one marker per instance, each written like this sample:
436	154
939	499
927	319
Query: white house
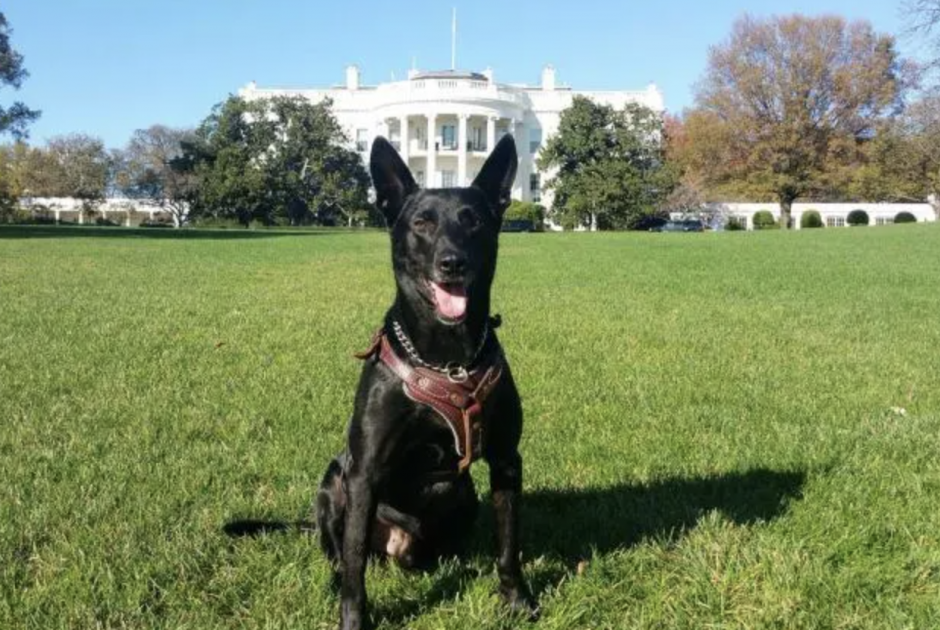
444	123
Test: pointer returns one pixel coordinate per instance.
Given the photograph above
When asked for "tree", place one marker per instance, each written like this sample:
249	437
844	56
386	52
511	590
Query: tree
786	101
923	17
12	178
609	165
15	118
145	170
280	159
73	165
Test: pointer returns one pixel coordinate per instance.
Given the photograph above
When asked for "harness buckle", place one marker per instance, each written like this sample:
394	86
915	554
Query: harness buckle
456	373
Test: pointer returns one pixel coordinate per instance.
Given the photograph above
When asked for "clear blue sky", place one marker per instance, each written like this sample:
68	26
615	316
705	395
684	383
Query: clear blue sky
107	67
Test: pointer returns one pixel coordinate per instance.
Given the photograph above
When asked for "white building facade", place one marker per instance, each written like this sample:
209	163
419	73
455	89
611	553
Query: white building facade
832	214
444	124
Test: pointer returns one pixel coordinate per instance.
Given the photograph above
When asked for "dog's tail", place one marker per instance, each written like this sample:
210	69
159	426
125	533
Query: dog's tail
252	528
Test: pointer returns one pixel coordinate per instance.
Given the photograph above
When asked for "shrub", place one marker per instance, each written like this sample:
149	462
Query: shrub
905	217
156	223
857	217
764	220
13	214
105	221
209	221
735	224
526	211
811	219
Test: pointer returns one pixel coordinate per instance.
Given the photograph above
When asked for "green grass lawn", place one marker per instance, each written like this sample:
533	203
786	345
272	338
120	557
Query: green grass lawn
733	430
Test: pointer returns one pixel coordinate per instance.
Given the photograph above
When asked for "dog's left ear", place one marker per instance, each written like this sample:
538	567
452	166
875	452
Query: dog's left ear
392	179
498	173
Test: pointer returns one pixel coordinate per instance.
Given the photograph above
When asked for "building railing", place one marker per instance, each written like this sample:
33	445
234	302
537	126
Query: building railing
432	89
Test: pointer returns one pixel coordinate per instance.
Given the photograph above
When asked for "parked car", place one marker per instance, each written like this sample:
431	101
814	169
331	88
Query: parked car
689	225
518	225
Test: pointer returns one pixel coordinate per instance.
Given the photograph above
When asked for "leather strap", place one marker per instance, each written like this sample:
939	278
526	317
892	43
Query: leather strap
460	404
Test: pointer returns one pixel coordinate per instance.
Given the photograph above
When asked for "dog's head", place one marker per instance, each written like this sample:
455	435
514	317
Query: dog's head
444	241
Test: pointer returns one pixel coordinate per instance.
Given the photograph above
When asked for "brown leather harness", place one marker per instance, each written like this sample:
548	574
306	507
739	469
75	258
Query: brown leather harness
459	403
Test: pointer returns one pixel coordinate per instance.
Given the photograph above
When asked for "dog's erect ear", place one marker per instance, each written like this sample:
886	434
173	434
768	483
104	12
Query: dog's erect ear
392	179
498	173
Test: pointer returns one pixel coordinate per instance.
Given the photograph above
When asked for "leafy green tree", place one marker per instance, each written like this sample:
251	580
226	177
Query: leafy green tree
273	160
608	166
15	118
903	159
144	170
786	100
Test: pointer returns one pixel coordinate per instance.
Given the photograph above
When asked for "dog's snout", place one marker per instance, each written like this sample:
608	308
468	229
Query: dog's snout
452	263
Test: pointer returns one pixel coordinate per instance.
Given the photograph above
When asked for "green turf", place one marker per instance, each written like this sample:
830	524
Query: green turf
714	429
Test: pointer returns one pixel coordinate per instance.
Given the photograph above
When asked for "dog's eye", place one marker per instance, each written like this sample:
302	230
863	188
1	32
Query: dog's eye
423	221
468	219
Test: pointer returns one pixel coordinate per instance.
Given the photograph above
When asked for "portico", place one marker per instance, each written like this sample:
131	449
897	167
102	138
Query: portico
446	148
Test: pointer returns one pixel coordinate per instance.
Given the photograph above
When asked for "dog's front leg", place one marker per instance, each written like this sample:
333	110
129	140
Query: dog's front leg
360	514
506	487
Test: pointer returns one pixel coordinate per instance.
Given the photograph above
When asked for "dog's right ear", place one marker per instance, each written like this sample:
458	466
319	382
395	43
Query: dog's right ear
392	179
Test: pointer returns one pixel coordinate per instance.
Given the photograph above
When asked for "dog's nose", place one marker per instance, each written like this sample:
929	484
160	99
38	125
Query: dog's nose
452	264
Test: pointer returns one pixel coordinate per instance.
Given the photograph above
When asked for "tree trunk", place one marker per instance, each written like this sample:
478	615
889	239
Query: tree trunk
785	206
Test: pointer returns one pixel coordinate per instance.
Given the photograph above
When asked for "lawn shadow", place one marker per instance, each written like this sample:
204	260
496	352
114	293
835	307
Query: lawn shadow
65	231
571	524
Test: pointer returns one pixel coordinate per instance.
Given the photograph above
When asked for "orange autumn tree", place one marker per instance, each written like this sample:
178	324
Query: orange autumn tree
786	101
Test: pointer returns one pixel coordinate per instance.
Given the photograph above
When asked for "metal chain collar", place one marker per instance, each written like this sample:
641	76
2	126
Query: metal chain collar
455	372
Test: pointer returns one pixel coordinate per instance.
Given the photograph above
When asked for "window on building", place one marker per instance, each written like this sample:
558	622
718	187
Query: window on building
477	139
884	220
835	221
449	137
419	178
362	140
535	187
535	139
448	179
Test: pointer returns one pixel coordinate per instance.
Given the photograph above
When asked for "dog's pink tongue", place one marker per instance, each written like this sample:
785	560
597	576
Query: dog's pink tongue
451	299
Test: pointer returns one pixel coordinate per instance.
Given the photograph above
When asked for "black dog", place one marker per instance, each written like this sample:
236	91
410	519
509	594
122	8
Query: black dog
435	391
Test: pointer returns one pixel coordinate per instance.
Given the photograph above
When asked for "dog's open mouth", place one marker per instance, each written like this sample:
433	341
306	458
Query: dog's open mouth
450	300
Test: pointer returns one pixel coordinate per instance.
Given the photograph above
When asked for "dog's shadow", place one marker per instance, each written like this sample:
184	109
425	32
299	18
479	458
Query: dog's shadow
571	525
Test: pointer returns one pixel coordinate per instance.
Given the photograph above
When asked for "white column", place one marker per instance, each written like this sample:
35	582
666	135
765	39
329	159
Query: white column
403	135
57	216
525	160
462	149
431	176
81	215
490	133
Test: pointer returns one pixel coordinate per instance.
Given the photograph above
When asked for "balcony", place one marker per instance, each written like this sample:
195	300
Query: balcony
460	89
